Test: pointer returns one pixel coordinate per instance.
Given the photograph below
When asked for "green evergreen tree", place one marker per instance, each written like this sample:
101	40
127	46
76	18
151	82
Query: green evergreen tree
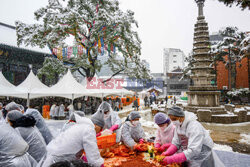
51	70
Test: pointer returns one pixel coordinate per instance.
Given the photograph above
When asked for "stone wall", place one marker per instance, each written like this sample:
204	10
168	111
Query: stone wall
224	119
229	107
204	115
203	98
237	116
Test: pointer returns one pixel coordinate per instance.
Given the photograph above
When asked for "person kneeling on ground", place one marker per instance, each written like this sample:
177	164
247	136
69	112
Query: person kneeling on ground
165	132
192	141
25	126
66	145
132	131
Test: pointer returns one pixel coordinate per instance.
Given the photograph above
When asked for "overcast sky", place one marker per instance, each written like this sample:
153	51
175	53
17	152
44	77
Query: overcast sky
162	23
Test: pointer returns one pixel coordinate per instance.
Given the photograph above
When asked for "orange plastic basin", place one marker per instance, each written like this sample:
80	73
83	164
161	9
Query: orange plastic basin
106	141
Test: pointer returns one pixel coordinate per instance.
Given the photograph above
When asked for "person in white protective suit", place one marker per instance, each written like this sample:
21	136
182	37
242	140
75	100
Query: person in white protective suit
72	120
25	126
194	145
70	108
40	124
13	149
2	120
56	113
132	131
112	122
66	145
9	107
52	111
61	114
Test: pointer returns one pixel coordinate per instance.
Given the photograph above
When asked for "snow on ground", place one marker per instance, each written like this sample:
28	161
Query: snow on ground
239	109
234	124
245	138
222	147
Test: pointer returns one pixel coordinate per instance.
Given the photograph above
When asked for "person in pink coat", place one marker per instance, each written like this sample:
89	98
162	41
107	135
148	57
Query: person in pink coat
165	132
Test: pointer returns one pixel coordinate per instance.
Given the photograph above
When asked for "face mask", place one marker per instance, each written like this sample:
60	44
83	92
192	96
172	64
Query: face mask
135	123
106	116
163	128
176	123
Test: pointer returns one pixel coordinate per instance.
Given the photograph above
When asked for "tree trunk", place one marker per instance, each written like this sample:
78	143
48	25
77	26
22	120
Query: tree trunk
229	71
248	63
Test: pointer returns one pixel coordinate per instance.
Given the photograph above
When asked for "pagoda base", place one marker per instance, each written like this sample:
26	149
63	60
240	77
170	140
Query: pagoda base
203	98
214	110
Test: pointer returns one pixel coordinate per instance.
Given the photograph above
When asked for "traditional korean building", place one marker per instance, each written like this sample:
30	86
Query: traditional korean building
15	62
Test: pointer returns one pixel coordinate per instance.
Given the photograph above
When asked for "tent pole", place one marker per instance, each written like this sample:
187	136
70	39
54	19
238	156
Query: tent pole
72	98
28	100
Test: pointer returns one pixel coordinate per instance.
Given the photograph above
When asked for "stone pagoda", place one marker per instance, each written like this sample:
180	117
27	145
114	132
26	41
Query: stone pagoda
202	94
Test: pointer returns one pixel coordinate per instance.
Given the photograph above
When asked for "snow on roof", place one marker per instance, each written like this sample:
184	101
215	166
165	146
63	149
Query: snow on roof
8	37
154	87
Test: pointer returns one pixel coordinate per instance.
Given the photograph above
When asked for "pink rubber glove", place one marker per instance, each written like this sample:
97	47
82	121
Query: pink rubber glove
157	145
177	158
141	141
98	134
114	127
164	147
102	165
171	150
84	158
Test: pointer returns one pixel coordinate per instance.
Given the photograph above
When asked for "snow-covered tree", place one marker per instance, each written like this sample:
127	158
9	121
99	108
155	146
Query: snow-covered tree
187	69
229	51
245	49
91	23
51	70
242	3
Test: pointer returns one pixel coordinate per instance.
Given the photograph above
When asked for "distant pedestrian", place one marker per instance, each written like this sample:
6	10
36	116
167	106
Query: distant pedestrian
136	105
166	99
56	113
146	101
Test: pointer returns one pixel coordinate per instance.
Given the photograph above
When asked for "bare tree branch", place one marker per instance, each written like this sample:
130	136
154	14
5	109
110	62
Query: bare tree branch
118	72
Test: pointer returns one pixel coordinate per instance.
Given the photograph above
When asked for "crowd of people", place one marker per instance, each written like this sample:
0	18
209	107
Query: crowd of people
26	141
151	100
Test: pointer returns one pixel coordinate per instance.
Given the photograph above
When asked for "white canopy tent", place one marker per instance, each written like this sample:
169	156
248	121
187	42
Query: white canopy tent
66	87
5	82
30	88
8	89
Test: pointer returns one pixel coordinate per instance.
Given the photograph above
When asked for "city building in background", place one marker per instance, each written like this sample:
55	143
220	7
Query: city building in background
172	59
